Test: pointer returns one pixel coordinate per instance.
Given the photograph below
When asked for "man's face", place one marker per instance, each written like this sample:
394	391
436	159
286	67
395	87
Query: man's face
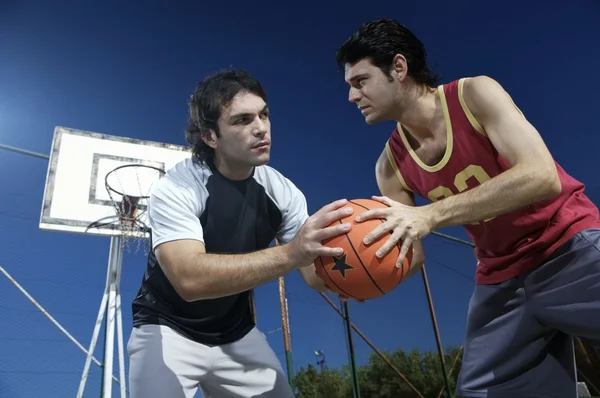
245	131
372	91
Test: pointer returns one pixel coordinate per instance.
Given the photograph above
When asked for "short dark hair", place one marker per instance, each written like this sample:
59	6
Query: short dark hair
210	96
379	41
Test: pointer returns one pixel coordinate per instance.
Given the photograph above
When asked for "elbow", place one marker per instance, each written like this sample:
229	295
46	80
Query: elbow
550	184
185	291
188	285
188	290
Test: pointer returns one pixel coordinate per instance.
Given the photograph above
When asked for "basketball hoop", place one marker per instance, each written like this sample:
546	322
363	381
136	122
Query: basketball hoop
128	186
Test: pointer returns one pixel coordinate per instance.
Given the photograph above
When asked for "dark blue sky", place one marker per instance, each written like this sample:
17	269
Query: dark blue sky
128	71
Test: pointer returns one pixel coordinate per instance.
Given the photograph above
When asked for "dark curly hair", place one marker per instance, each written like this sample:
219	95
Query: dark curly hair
210	96
379	41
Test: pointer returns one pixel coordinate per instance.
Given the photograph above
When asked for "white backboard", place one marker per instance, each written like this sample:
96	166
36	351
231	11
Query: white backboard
75	196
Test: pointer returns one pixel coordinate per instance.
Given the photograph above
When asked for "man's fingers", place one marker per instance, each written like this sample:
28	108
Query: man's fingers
381	229
388	245
332	206
371	214
325	251
334	215
406	244
332	231
383	199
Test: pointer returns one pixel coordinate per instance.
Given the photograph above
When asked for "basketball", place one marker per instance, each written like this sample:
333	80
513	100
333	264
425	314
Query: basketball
359	274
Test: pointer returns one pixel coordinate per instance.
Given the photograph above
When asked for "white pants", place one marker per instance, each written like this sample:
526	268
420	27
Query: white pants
165	364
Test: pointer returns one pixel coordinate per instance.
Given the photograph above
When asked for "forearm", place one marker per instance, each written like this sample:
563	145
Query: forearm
209	276
515	188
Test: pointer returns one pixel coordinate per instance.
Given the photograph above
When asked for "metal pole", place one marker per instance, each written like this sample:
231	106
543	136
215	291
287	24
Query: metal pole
253	307
436	331
116	257
452	238
109	306
54	321
370	344
24	151
348	328
285	324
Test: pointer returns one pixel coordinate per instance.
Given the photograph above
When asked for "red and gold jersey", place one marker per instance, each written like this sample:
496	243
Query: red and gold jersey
507	245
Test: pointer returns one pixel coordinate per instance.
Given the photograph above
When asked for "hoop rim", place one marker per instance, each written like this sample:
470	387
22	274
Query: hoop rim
124	195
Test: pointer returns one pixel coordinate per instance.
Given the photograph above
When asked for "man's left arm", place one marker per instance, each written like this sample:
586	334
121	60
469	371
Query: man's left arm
533	176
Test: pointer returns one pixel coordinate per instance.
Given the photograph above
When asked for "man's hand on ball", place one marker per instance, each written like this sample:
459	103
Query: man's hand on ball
406	223
307	244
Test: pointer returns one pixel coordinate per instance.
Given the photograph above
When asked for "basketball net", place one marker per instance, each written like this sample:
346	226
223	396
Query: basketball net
127	186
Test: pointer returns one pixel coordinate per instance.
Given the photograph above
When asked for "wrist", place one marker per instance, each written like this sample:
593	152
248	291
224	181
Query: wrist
436	214
289	256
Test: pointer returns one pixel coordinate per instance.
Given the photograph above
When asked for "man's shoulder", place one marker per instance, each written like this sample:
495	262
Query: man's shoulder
268	175
276	184
187	175
476	85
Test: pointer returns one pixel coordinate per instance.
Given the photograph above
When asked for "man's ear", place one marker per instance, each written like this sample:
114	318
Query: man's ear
400	67
210	138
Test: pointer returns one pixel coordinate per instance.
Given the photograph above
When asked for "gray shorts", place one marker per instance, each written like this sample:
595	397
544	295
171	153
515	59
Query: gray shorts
518	339
165	364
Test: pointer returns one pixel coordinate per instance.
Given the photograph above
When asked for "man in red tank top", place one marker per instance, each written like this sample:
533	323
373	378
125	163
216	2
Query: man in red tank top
467	148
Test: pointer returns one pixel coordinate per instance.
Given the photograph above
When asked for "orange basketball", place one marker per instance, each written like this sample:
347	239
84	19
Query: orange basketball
359	273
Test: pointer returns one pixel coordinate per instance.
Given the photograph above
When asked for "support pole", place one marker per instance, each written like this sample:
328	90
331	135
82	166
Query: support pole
436	332
348	330
285	324
253	307
111	307
370	344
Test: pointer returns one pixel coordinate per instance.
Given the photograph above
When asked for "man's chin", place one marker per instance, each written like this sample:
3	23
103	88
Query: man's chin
372	119
261	160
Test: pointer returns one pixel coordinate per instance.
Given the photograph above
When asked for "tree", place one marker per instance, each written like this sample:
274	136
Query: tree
329	383
378	380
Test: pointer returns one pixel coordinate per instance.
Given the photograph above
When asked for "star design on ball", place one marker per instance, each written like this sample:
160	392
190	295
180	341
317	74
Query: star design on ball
340	265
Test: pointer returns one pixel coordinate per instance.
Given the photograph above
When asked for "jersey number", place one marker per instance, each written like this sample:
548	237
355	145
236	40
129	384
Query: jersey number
460	183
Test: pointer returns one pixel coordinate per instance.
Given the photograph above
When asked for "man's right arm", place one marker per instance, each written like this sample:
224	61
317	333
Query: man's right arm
198	275
178	242
390	186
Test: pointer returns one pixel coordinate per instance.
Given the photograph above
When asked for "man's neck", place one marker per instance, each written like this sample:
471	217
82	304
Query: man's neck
419	112
232	170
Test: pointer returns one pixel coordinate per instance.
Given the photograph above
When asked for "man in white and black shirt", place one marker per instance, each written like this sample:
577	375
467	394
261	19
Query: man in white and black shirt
212	218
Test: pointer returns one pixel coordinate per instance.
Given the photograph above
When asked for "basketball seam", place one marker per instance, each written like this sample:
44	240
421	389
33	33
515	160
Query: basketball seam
329	277
359	259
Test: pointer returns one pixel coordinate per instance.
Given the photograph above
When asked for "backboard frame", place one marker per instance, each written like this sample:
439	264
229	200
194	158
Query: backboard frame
73	153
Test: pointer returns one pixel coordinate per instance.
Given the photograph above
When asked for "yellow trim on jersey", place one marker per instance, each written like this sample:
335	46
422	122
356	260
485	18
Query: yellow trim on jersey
474	123
449	138
392	161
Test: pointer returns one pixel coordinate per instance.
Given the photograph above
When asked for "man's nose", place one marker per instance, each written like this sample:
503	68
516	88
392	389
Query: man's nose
260	127
353	95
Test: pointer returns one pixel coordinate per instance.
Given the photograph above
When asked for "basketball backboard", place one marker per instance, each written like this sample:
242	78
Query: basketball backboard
75	197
